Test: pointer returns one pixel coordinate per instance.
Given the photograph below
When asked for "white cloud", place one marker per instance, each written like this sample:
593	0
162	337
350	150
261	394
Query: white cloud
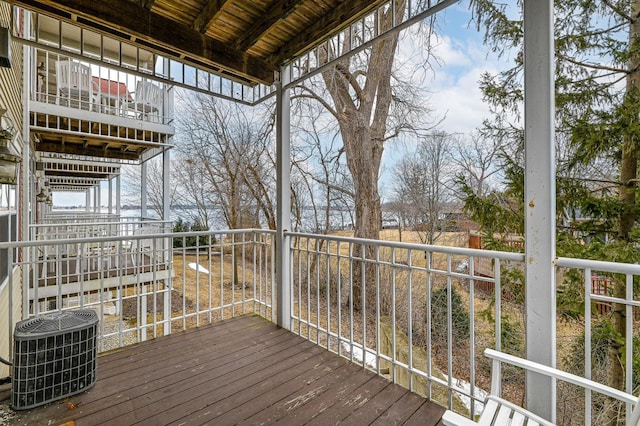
459	99
453	82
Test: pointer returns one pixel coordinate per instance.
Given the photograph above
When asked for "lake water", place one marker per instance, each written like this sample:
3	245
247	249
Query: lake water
338	218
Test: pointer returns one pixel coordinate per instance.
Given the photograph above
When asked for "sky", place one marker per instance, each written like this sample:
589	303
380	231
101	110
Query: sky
452	84
454	87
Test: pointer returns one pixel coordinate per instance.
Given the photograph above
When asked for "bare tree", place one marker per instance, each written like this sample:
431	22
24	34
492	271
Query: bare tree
422	185
478	161
369	109
155	186
226	164
320	165
193	194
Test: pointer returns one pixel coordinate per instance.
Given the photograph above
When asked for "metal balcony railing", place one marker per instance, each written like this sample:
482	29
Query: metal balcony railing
147	284
64	81
97	226
96	110
419	315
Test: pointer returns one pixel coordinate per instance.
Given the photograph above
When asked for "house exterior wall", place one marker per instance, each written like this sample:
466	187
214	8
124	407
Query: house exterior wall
11	78
11	99
5	326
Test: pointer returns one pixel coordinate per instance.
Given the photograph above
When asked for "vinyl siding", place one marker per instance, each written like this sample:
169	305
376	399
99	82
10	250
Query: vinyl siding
11	99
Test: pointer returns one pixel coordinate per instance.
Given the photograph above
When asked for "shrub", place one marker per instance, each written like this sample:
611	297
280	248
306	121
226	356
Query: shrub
181	225
460	321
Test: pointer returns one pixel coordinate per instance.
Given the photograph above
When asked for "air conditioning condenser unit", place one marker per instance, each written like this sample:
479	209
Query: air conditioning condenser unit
54	357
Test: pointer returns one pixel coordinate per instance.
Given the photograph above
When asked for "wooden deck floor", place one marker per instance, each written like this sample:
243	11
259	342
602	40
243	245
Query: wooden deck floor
244	370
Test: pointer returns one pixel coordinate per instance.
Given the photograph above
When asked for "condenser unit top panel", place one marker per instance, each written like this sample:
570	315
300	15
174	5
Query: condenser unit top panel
55	323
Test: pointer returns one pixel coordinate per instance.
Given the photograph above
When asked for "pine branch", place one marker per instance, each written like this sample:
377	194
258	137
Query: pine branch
590	65
618	11
597	33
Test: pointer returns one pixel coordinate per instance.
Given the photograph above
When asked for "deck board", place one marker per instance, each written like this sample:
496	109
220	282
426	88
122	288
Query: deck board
243	370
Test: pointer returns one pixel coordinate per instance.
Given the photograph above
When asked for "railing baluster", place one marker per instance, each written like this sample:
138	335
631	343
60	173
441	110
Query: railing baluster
629	342
449	334
587	344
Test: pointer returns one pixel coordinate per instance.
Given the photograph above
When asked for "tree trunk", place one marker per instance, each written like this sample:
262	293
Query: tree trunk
368	221
627	196
363	125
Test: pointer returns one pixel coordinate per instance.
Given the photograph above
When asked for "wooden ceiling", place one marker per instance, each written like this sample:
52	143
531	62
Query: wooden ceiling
244	39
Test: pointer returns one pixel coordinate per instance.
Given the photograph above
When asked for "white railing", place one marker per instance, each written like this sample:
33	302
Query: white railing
405	328
144	286
64	80
74	228
80	228
600	300
134	59
59	218
428	313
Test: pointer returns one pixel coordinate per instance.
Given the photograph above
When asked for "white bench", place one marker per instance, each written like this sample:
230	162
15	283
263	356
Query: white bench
498	411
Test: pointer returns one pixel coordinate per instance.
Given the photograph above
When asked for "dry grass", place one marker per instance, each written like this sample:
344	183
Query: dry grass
215	288
204	294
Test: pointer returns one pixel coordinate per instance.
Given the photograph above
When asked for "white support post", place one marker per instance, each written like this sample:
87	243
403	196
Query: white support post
540	203
87	200
118	194
166	186
143	190
98	198
166	216
110	195
26	188
283	216
167	112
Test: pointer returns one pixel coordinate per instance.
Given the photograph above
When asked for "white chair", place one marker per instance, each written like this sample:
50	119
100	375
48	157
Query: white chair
498	411
75	86
148	99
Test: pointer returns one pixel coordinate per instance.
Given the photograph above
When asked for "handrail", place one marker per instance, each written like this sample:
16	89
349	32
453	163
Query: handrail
516	257
4	245
528	365
122	222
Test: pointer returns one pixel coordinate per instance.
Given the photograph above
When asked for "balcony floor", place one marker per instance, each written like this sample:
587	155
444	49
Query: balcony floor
244	370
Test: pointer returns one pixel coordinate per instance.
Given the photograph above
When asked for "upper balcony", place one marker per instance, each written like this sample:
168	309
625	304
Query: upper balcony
80	108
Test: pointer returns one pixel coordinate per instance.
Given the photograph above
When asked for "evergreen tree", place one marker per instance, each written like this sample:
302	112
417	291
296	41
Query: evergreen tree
597	118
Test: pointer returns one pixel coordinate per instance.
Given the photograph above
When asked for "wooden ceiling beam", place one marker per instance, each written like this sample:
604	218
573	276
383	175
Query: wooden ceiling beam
133	19
148	4
76	174
335	20
208	12
90	151
279	10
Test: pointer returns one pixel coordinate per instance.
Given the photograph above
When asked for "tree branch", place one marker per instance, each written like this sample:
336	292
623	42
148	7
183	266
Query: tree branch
591	66
313	95
619	12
